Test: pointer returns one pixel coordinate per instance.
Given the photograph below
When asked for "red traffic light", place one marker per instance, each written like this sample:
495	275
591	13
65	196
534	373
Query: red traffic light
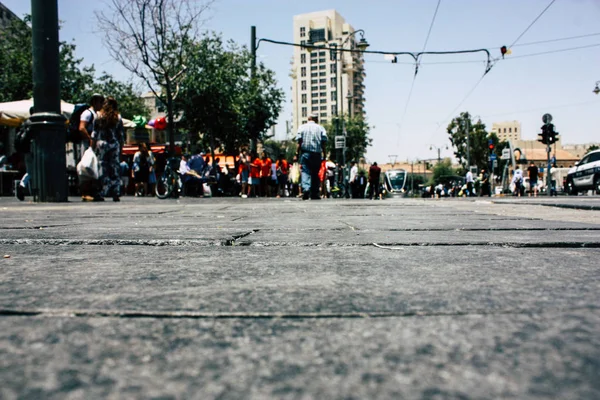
503	51
491	147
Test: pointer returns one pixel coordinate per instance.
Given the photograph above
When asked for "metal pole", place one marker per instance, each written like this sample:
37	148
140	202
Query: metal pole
49	175
253	77
548	177
439	157
468	143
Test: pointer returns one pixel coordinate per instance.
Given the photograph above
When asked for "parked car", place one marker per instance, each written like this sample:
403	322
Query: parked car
585	175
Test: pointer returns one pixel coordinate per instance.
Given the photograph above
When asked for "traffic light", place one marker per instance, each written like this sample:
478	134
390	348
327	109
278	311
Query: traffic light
544	136
552	134
491	145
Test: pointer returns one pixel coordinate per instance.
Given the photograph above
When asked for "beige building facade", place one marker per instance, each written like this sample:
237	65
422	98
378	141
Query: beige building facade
325	82
509	130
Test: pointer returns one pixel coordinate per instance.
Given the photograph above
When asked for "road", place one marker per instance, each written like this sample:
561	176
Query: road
274	298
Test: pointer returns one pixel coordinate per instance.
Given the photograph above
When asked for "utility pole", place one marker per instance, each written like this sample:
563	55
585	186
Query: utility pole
394	157
468	121
253	77
49	175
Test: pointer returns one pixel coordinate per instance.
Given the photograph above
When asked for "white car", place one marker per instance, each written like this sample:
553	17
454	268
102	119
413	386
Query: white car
585	175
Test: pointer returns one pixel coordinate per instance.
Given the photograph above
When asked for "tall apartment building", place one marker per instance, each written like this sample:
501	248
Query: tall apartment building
510	130
325	82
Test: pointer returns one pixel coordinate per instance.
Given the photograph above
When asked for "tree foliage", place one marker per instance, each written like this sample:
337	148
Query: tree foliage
443	168
357	137
77	81
592	148
219	99
152	39
462	127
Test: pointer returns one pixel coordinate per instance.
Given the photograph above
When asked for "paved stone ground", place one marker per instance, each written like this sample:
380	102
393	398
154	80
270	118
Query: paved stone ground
266	298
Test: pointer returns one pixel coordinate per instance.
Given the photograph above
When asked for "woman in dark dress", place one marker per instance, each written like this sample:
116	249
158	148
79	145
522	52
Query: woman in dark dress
107	140
142	164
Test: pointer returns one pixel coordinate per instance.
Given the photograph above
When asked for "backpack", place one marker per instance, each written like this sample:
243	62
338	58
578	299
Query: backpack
73	133
23	138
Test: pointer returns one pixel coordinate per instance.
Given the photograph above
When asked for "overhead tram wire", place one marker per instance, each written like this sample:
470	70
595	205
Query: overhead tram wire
494	63
412	85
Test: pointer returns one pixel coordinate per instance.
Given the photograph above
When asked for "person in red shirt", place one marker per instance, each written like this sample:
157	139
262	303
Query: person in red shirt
283	170
254	181
265	175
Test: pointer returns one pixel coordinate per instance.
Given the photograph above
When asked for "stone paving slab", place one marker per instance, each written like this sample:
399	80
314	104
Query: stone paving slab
523	356
297	280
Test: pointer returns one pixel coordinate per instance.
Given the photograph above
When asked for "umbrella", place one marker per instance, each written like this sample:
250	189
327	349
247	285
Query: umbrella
14	113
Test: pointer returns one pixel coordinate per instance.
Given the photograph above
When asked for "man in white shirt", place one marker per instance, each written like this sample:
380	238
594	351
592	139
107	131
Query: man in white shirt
469	179
86	121
353	179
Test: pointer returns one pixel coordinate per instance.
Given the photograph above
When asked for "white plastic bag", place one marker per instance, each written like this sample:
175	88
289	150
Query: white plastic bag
88	166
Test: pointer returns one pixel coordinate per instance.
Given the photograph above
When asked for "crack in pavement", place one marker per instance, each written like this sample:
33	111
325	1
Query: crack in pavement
83	313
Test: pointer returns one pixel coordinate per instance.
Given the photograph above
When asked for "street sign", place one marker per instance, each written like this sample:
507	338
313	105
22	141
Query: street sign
493	156
505	154
340	142
495	163
547	118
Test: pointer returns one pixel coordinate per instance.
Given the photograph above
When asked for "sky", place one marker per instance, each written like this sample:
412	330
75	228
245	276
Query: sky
520	87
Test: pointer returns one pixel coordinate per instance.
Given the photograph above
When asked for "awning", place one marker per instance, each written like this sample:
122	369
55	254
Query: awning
155	148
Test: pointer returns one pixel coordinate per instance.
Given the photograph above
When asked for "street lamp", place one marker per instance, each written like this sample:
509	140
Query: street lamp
597	88
432	146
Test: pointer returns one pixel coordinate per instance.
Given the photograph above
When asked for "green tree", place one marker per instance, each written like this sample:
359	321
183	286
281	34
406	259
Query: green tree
443	168
357	137
16	61
592	148
478	141
219	100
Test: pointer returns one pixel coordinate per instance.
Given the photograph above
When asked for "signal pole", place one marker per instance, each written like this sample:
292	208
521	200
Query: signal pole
49	175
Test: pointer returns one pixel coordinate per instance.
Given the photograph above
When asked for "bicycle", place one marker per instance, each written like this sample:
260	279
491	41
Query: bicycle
168	185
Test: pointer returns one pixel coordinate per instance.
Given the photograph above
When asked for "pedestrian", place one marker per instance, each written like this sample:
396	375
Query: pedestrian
517	181
265	175
311	139
141	169
255	171
87	118
198	165
374	177
282	175
469	180
330	176
485	184
353	179
108	137
533	172
295	177
244	172
23	145
124	173
553	177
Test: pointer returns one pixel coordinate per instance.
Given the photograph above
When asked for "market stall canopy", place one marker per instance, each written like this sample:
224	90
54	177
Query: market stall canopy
15	112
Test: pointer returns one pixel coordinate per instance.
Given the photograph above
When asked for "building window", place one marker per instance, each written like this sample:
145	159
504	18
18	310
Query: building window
314	74
333	82
504	130
302	42
515	130
304	98
314	88
304	122
332	68
303	85
302	31
315	101
321	54
313	55
322	66
314	68
322	73
323	87
322	60
317	35
304	112
303	58
314	82
509	130
334	96
323	101
316	108
324	115
303	72
334	110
